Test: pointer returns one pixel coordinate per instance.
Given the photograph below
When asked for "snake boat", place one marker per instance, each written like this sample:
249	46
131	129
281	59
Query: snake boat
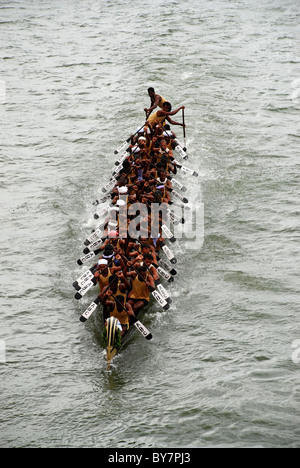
144	177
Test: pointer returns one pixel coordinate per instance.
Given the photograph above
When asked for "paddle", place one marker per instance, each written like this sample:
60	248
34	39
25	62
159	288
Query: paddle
175	218
84	278
124	144
168	233
167	267
169	253
164	274
185	169
184	136
85	288
91	308
140	327
102	200
87	257
180	150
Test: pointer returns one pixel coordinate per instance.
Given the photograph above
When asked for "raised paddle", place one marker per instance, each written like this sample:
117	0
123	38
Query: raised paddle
184	135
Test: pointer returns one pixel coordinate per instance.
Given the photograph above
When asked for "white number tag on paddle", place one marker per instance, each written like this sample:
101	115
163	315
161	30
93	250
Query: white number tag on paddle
182	153
168	233
104	199
122	158
178	185
161	301
87	276
169	254
95	245
95	234
110	185
118	170
163	292
89	310
142	329
84	289
163	273
181	198
103	211
121	147
173	217
185	169
164	265
87	257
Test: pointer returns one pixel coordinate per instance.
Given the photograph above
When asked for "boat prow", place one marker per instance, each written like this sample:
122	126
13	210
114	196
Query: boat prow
112	339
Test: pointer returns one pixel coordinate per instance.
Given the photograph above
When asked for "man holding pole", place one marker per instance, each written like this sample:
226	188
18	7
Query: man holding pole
161	115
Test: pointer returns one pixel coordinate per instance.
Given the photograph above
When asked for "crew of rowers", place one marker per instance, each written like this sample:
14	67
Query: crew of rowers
127	269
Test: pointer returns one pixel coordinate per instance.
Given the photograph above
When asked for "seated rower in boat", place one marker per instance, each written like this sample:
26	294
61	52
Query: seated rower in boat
165	150
169	136
165	197
116	243
107	267
142	282
143	249
162	179
118	284
164	163
103	273
147	260
158	134
119	308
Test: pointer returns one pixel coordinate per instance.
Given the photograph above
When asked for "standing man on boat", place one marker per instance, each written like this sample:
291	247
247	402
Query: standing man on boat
156	100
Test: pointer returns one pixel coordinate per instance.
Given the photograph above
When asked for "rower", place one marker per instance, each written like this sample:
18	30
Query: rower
167	165
118	285
111	258
120	192
165	197
144	248
146	260
165	150
142	282
103	274
164	114
120	309
169	135
162	179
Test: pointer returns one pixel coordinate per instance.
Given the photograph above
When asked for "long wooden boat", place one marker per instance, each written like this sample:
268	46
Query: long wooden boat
132	156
